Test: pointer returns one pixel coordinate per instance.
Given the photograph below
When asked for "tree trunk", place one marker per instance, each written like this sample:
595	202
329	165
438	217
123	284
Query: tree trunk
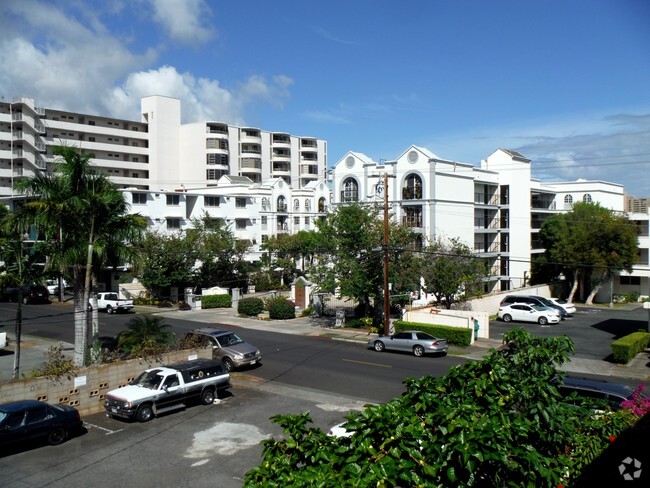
595	290
18	333
574	288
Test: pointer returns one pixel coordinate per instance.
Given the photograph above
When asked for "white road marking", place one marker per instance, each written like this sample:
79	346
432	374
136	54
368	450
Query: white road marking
108	431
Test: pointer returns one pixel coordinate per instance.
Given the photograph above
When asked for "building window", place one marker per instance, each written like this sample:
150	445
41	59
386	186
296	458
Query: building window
307	205
173	200
139	198
264	219
296	221
240	202
282	204
568	199
265	203
296	205
321	204
265	239
350	191
412	188
240	224
307	221
91	139
587	198
631	280
173	224
211	201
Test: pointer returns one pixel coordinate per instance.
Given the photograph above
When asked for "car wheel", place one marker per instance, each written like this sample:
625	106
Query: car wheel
542	321
507	318
109	309
207	396
144	413
228	364
57	436
379	346
418	351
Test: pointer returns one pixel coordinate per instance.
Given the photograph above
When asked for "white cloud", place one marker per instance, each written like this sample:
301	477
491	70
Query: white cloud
183	19
202	98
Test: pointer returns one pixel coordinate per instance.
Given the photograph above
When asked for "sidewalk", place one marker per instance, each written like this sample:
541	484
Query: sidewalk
33	349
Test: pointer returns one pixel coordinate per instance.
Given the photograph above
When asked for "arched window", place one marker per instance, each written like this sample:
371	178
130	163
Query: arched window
321	204
307	205
568	199
412	187
350	191
296	205
282	204
587	198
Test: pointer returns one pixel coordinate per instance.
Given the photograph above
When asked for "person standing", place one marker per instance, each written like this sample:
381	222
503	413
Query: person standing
476	328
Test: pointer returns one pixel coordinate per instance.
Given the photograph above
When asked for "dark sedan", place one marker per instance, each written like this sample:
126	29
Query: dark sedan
417	342
27	420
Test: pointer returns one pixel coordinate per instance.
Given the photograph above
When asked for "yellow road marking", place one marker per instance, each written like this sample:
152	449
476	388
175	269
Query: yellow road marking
369	364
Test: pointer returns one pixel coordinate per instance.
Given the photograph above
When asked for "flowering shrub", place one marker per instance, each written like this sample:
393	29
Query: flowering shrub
639	404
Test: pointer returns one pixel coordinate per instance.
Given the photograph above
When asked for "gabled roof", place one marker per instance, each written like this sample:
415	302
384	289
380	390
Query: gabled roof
515	155
423	150
235	180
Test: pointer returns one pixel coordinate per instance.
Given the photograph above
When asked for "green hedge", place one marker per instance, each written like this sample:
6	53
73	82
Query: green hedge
216	301
281	308
625	348
454	335
250	306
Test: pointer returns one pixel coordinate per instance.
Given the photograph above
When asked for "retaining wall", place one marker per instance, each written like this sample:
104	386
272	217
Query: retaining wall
87	389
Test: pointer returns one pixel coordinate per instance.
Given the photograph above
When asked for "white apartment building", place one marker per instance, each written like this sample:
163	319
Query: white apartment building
497	209
158	152
260	183
253	211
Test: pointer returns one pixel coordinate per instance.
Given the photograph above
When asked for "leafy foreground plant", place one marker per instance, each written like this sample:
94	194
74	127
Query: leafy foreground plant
498	422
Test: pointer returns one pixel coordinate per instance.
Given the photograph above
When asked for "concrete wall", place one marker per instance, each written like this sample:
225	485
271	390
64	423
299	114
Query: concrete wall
451	318
86	391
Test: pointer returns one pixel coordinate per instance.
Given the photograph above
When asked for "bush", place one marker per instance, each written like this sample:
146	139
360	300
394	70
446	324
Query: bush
625	348
281	308
453	335
307	311
216	301
363	323
250	306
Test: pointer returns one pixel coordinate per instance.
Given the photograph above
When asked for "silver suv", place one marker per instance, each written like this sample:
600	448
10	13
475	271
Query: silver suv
227	346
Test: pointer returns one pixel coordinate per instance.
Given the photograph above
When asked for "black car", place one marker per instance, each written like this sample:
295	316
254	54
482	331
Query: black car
26	420
604	392
30	294
535	300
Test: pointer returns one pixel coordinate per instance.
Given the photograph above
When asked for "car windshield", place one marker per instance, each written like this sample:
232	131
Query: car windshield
149	379
539	308
229	340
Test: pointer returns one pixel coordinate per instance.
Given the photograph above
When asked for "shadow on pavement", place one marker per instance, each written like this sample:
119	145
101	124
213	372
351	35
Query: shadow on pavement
620	327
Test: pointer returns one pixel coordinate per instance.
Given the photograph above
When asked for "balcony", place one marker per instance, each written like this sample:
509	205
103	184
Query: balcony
486	198
489	247
282	207
350	196
412	193
412	221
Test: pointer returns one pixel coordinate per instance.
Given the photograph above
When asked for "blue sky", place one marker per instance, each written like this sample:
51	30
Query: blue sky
566	83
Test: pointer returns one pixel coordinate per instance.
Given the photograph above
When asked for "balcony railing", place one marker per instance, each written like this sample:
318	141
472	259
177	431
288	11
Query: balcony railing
412	221
491	247
486	198
350	196
412	193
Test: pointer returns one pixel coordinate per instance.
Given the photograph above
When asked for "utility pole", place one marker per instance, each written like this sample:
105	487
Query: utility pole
386	260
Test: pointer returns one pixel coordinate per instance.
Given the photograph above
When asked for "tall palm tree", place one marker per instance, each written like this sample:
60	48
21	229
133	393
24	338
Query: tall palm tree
22	264
84	213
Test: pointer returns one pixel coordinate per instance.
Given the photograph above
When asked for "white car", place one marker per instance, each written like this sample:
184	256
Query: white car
524	312
570	308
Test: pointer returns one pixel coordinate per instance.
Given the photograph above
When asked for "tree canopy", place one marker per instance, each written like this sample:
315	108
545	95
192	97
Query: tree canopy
497	422
450	270
590	245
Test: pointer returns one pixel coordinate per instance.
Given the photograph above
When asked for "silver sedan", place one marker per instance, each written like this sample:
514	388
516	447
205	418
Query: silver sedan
415	341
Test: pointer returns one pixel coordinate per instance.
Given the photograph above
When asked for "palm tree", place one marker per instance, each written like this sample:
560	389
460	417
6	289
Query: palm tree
21	265
87	217
144	331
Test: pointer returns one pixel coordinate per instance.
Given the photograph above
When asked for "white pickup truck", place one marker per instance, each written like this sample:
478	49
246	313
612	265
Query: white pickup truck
110	302
166	388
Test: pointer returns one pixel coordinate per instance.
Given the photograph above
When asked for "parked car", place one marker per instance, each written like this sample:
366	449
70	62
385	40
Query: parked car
535	300
606	393
227	346
30	294
415	341
53	286
570	308
26	420
528	312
